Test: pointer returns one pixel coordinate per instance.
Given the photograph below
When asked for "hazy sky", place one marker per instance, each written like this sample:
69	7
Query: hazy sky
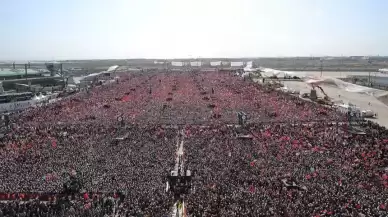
98	29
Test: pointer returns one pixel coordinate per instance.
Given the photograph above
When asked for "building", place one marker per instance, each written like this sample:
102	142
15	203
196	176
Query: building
7	73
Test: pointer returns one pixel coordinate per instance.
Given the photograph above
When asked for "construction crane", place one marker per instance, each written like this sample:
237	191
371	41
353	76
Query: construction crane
325	96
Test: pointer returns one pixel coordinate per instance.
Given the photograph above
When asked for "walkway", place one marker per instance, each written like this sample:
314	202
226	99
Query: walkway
178	208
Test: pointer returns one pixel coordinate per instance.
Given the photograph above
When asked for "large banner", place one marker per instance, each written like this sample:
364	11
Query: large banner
177	63
217	63
237	64
225	63
198	63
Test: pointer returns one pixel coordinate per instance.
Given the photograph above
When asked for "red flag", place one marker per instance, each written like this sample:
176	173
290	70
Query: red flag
86	196
285	138
316	149
125	99
251	188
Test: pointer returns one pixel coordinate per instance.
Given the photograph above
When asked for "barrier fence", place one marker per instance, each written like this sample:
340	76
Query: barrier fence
45	196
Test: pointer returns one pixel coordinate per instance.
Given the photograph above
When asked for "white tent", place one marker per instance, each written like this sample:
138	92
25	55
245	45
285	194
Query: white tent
384	71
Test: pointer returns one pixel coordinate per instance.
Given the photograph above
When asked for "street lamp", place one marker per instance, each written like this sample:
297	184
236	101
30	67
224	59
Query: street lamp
370	62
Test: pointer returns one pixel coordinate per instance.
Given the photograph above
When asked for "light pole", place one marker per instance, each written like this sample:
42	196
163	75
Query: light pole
199	62
321	60
370	63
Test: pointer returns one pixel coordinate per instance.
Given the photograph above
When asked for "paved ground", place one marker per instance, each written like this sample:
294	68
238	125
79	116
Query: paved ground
359	99
178	211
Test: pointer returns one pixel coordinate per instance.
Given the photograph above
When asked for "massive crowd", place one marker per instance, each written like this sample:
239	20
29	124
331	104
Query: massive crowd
289	168
191	98
104	158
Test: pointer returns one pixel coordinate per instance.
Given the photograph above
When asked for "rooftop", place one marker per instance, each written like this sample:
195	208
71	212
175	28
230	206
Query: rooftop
15	72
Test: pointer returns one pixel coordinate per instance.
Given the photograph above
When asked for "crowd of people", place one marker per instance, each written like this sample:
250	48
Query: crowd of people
117	139
64	205
316	169
189	97
104	158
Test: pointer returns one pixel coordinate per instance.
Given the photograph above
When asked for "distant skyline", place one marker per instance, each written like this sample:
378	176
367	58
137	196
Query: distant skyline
127	29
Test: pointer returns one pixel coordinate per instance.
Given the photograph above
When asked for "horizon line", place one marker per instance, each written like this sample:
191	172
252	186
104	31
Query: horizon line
192	58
